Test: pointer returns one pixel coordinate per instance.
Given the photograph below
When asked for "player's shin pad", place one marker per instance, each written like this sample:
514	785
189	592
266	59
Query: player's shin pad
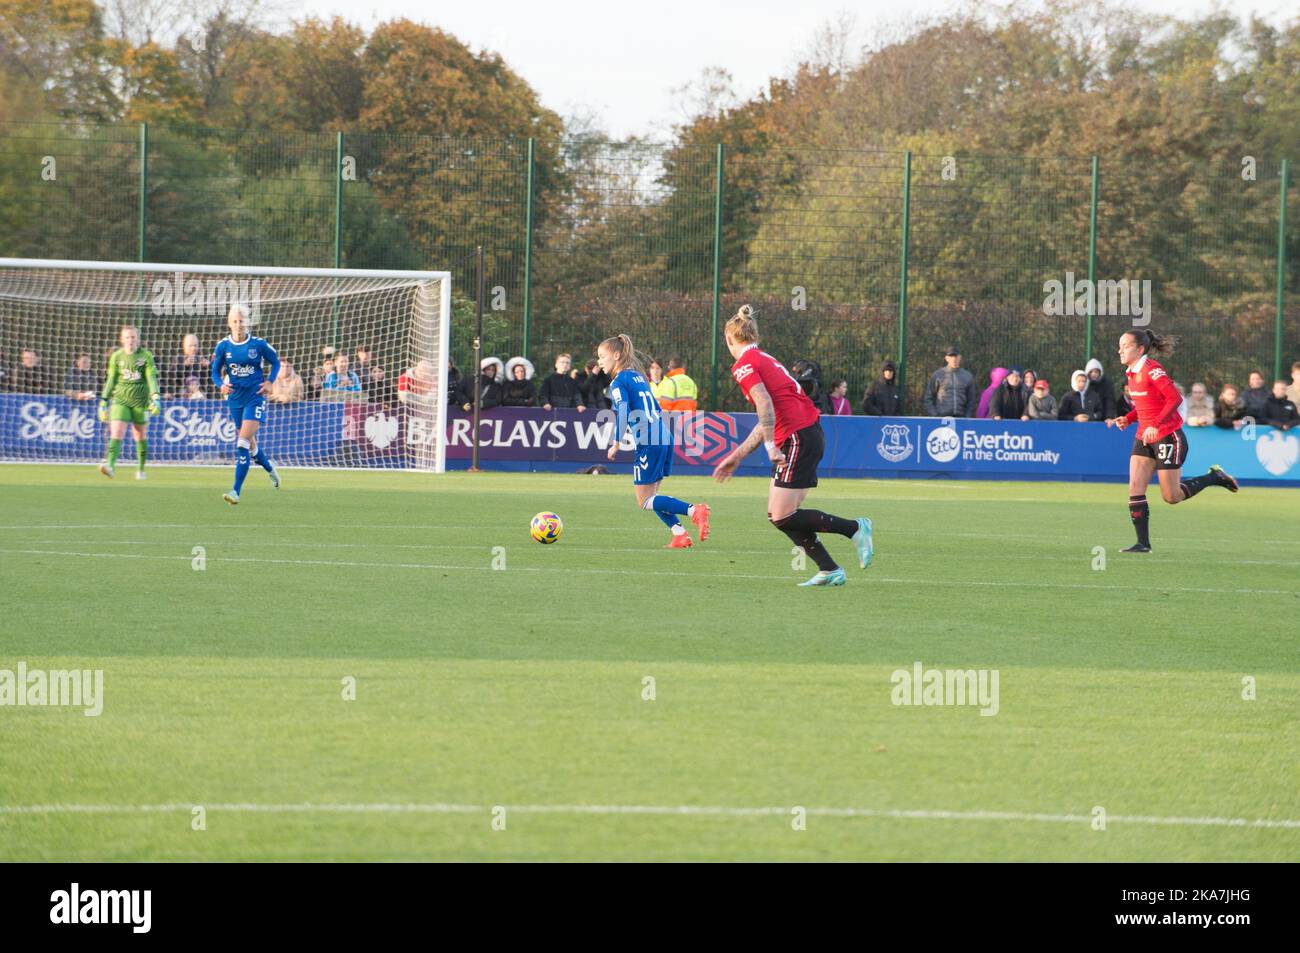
1197	484
806	540
1140	512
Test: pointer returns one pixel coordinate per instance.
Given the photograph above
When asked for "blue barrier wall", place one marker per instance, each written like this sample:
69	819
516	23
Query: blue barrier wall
309	433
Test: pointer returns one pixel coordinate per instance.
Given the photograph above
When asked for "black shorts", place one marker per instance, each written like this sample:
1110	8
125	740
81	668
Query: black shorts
803	451
1168	452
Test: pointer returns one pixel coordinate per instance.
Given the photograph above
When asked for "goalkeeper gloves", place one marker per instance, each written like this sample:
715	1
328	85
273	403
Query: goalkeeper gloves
103	411
155	405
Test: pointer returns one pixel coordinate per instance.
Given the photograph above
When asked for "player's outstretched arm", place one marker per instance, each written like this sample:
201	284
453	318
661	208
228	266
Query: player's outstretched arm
762	434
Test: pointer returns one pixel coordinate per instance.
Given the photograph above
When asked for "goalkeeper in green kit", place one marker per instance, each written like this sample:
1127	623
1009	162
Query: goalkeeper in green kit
133	386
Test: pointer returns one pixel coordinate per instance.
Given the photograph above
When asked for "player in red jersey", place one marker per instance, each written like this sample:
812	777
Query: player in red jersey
788	427
1161	445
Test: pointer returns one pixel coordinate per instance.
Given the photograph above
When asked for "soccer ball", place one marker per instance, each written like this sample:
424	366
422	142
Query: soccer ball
546	527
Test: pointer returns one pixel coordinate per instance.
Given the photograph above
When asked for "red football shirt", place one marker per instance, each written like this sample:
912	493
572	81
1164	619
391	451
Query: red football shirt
794	410
1155	398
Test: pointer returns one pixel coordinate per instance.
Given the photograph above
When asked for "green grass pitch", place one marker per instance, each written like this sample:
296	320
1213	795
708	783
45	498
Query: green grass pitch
524	687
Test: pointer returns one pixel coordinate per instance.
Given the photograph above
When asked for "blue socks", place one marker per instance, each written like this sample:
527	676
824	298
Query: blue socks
668	508
241	467
261	459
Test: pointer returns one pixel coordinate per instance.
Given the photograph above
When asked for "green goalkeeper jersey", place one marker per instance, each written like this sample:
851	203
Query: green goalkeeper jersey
132	378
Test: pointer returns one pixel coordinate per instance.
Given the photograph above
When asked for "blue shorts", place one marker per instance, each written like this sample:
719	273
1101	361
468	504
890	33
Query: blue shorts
246	408
651	464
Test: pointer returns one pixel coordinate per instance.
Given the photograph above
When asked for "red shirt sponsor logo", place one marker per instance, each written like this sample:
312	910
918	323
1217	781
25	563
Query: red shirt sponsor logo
1155	399
794	410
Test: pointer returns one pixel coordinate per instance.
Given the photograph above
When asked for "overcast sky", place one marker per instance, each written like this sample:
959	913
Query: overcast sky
620	62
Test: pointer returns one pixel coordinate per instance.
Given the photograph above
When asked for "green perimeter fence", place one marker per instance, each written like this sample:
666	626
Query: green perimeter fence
849	257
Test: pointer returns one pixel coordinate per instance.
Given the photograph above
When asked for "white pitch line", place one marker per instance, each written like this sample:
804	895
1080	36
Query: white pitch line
657	810
976	583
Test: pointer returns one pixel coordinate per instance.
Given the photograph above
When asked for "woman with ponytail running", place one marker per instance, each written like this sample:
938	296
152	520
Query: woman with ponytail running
1161	445
637	411
789	427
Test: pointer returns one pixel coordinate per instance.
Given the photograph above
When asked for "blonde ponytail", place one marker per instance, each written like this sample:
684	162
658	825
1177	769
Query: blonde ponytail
625	354
742	328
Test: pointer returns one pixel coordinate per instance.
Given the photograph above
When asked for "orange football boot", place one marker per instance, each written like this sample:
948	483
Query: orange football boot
701	520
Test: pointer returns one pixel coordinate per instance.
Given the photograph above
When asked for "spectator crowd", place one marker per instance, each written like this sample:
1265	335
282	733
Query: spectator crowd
1012	393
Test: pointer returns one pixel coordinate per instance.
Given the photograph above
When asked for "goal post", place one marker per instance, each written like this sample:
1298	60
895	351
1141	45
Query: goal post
382	335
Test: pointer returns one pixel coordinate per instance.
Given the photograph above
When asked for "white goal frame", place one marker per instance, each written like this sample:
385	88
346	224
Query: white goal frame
251	271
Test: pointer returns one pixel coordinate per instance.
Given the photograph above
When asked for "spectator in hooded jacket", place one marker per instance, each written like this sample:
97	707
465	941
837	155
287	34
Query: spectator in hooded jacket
1080	404
491	372
1009	401
1098	382
1256	396
1200	409
839	402
882	398
518	390
1229	409
1280	411
561	389
996	377
1042	405
1031	378
951	390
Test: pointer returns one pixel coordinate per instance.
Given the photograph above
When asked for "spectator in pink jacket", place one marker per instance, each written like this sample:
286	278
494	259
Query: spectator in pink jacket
839	400
997	375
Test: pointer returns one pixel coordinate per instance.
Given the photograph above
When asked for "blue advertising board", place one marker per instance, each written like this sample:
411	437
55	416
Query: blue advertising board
37	427
56	428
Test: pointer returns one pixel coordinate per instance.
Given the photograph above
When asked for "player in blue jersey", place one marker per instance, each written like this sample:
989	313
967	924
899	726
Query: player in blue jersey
636	409
239	358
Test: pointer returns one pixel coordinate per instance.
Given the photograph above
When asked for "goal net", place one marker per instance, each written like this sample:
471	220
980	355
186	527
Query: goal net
363	357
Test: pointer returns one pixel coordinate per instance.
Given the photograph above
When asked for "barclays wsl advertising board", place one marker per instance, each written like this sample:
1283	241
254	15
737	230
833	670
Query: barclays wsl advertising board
53	428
